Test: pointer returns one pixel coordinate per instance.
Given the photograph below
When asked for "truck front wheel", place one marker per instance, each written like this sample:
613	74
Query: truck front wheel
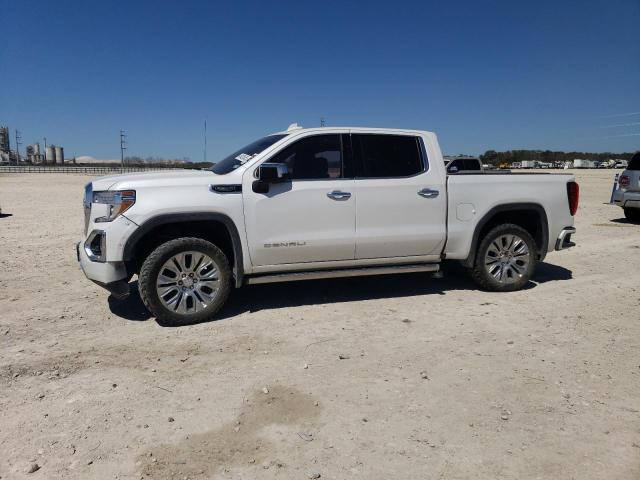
185	281
506	259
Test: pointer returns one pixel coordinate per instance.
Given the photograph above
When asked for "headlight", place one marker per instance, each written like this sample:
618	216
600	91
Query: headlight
117	201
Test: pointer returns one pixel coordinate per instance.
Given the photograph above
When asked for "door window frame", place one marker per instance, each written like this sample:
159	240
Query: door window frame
358	160
346	155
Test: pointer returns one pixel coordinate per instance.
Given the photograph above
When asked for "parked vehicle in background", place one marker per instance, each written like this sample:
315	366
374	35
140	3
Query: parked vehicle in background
580	163
627	195
467	164
317	203
621	164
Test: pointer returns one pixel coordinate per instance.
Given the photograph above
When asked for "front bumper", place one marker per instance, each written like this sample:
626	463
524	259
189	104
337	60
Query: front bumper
109	275
564	239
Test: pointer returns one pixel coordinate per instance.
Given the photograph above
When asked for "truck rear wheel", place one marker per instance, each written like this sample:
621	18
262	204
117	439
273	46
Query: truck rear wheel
506	259
185	281
632	214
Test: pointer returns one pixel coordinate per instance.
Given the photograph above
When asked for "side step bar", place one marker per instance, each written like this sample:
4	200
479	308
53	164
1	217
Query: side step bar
342	272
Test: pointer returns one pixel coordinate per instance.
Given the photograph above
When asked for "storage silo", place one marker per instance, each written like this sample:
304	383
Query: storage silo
50	154
59	155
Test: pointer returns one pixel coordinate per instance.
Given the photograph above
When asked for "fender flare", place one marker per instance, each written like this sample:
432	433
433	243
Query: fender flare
536	207
172	218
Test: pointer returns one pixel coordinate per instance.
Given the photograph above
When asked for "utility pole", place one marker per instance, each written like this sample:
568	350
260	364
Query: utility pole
123	147
205	140
18	143
322	122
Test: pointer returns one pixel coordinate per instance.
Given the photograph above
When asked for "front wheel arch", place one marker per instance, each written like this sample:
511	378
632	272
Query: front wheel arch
206	225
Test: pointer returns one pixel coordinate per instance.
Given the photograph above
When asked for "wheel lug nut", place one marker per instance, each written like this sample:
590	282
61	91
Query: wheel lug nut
180	282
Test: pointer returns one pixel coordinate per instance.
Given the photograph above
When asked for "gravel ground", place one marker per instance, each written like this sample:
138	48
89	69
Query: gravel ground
377	378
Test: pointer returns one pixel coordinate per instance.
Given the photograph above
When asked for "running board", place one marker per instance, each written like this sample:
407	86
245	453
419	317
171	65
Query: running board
342	272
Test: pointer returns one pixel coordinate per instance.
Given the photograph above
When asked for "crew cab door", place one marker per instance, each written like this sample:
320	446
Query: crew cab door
310	218
401	208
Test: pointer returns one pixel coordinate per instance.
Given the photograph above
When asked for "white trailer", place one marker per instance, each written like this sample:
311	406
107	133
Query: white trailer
579	163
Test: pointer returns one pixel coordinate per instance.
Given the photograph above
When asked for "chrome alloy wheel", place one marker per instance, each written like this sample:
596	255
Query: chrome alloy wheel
507	258
188	282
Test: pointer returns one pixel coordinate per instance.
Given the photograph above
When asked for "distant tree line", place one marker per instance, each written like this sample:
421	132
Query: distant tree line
496	158
185	162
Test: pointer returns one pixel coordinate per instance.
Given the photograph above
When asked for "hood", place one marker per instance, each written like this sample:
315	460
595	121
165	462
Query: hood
159	178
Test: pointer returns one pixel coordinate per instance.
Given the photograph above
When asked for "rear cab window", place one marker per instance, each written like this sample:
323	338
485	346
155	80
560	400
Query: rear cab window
388	156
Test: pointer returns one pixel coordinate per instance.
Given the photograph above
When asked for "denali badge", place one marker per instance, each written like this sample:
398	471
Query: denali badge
285	244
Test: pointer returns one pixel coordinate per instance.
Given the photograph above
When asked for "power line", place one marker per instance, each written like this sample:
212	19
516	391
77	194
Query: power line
18	143
123	147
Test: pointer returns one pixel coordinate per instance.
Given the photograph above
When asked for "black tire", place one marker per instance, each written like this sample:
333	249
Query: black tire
483	277
150	271
632	214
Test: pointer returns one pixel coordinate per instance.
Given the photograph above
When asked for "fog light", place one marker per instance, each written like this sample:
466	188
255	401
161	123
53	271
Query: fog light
96	246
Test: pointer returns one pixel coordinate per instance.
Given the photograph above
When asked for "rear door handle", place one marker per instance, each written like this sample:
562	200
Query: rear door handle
428	193
339	195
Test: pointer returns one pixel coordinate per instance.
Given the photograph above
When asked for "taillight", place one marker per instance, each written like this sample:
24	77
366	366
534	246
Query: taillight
573	194
624	181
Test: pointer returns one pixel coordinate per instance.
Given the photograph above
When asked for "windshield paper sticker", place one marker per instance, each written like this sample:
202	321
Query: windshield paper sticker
243	157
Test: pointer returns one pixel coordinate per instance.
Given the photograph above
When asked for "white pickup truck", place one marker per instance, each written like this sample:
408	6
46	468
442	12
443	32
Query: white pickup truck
317	203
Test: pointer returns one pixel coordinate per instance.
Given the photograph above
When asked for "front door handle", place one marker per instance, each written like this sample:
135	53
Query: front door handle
339	195
428	193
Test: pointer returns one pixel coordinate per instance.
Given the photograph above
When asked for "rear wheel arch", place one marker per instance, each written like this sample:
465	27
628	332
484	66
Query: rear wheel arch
216	228
530	216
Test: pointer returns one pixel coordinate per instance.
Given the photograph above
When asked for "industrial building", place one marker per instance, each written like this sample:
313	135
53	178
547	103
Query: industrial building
50	155
5	146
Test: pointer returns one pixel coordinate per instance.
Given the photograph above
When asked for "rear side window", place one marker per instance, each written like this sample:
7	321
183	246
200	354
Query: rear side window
313	158
471	164
634	163
384	156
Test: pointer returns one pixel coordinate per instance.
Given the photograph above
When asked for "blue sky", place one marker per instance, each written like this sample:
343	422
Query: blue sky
492	74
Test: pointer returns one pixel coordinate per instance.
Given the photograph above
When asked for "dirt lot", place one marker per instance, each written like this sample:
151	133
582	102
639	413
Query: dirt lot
377	378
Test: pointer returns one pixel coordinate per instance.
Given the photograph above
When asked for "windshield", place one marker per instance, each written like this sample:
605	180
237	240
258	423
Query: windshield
240	157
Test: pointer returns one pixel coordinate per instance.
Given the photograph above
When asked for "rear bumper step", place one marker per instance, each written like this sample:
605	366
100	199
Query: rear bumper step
342	272
564	239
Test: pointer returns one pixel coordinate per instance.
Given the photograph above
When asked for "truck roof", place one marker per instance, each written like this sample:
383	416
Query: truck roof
295	128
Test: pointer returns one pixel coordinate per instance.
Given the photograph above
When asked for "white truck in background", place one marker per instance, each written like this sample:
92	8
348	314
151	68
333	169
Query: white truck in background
317	203
627	195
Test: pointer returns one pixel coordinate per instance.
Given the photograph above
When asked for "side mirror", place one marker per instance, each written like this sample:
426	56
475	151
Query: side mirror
269	173
273	172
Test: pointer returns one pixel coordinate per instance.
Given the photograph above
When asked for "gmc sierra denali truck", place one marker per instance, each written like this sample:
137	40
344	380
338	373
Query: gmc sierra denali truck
316	203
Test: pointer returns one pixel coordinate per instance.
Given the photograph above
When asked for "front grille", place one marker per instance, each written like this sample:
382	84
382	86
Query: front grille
88	197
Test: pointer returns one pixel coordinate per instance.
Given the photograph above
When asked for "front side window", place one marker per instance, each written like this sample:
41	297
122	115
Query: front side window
384	156
313	158
240	157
